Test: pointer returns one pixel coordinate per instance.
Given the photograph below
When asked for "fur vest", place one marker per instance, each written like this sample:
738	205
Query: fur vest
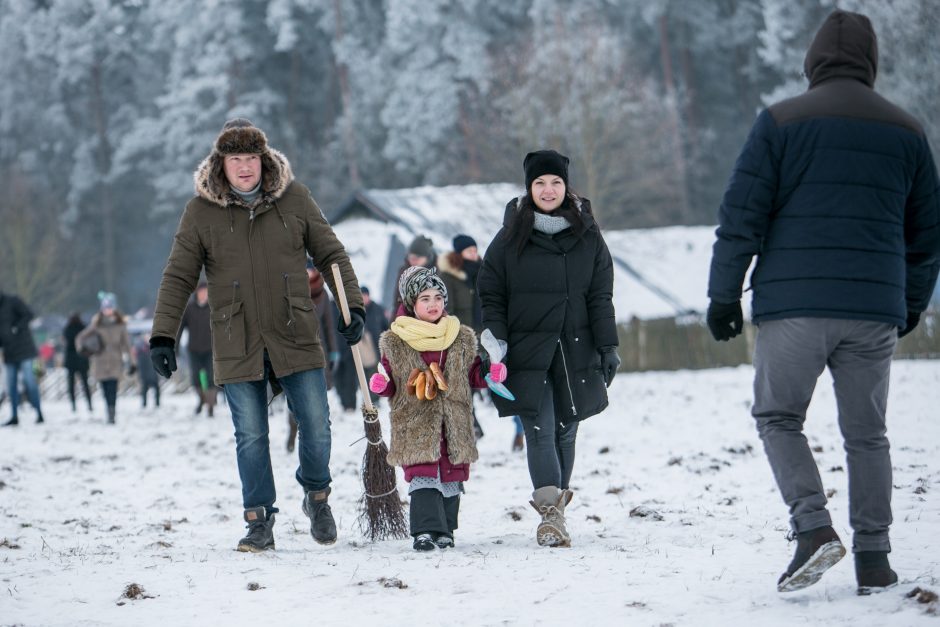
416	424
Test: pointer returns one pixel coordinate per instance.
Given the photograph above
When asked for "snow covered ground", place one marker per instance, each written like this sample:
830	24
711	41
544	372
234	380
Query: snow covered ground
87	509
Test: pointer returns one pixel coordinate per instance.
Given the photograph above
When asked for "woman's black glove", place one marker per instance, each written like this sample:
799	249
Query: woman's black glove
610	363
163	356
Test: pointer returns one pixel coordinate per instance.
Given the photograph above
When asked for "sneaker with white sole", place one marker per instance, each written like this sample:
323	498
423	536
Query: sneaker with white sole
817	551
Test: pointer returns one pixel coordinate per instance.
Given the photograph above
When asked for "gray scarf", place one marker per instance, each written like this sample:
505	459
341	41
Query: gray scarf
549	224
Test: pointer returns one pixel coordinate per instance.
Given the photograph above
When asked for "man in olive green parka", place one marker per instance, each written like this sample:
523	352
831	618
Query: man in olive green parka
251	227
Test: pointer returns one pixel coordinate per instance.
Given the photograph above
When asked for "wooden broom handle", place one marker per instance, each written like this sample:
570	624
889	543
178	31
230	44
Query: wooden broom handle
344	307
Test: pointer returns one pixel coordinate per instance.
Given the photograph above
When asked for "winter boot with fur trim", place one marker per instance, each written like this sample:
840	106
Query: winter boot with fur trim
817	550
550	503
260	531
322	526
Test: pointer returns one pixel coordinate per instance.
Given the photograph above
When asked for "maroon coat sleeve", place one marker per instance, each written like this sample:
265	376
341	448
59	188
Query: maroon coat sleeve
389	391
476	375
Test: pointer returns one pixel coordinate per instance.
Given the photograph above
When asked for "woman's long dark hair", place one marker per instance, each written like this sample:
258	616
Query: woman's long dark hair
520	228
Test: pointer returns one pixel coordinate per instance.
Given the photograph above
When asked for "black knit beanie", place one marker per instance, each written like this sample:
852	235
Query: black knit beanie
544	162
462	242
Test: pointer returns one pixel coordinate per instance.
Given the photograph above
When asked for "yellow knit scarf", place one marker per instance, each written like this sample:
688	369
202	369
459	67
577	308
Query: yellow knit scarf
426	336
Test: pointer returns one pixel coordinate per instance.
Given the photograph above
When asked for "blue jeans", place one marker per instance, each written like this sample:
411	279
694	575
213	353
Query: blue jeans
306	398
29	380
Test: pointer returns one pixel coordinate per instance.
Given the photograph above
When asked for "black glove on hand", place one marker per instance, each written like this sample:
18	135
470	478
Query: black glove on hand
131	370
610	363
163	356
725	320
352	332
913	319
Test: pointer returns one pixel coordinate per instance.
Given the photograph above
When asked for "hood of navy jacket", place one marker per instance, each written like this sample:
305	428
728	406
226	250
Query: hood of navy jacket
844	47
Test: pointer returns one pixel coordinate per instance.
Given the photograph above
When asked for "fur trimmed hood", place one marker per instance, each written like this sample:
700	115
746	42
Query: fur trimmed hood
446	265
211	184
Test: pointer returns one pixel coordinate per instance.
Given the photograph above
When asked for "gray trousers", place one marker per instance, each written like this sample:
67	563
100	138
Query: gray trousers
549	446
789	356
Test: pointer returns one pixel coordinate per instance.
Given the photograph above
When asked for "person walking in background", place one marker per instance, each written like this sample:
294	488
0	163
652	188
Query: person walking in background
459	269
376	322
546	286
76	364
251	226
107	364
325	312
431	365
836	193
347	381
199	348
146	375
420	253
376	325
19	350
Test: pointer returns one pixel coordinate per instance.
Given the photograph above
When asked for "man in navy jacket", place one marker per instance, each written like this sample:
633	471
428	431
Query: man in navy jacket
836	193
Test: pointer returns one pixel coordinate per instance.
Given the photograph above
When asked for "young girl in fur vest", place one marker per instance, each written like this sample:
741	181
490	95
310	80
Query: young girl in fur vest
431	365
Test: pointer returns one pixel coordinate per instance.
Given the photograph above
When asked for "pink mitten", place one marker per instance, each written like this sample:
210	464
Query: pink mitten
498	372
378	382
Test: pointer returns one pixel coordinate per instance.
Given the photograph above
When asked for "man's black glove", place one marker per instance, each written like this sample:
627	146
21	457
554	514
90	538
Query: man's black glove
163	356
725	320
913	319
352	332
610	363
131	370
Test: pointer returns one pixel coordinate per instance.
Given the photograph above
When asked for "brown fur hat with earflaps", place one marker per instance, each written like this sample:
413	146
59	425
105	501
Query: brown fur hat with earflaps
240	136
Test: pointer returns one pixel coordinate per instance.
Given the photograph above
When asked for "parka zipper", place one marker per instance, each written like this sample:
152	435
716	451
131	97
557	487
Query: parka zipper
290	310
228	325
564	364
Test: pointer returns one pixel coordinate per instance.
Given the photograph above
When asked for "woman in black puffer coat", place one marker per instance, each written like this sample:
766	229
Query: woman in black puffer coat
546	287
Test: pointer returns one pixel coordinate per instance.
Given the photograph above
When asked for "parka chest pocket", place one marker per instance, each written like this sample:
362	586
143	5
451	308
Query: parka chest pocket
302	321
228	331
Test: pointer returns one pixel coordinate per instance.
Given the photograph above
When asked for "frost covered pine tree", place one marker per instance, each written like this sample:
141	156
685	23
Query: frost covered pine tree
438	54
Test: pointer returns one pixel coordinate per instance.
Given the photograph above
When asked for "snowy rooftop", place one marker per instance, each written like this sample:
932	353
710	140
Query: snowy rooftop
658	272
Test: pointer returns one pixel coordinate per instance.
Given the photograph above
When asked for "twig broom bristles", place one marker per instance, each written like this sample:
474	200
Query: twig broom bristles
380	510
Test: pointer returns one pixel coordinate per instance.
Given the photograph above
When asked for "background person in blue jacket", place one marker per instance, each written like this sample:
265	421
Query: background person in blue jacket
836	192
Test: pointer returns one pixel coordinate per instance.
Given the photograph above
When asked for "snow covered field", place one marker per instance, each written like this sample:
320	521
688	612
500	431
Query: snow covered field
87	509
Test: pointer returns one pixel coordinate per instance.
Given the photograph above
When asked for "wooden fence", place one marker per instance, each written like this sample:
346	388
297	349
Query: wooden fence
685	343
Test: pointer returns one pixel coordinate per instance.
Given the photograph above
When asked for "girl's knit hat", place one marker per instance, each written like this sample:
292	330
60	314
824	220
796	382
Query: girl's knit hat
415	280
107	300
